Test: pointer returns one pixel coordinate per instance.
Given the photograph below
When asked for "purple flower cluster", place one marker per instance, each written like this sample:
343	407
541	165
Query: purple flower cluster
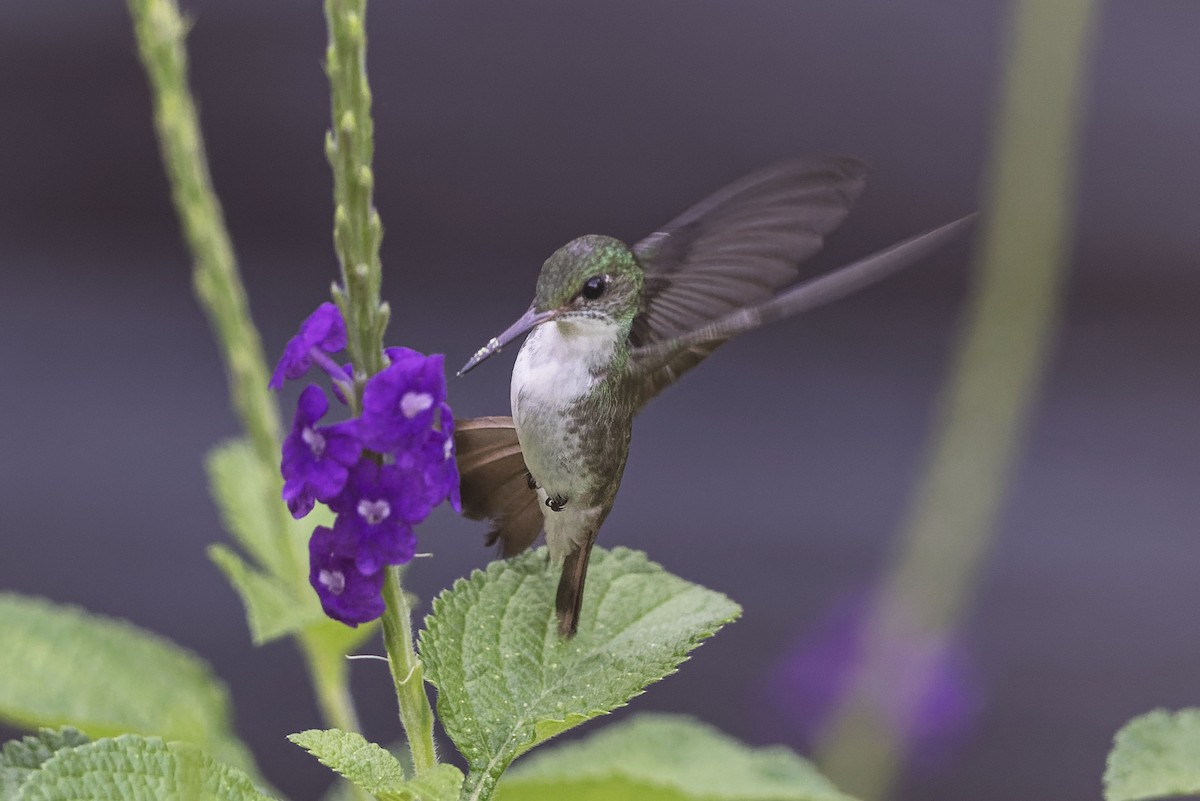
381	472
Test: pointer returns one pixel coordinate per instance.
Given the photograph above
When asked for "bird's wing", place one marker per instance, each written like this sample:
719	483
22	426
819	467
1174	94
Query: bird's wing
493	482
655	359
736	249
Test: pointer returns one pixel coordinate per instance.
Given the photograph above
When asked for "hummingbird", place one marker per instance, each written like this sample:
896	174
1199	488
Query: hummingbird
611	325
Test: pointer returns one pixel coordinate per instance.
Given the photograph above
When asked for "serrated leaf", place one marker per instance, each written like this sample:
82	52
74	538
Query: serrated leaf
135	768
1156	755
370	766
63	666
655	757
273	609
506	681
374	769
19	758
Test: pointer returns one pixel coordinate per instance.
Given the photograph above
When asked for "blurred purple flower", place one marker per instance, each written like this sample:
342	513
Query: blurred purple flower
923	685
316	459
347	594
323	332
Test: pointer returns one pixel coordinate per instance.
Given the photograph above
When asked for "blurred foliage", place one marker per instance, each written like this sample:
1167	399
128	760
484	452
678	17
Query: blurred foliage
1007	333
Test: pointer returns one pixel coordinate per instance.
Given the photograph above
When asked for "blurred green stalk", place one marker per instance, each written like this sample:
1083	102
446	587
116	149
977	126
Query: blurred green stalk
1008	330
160	32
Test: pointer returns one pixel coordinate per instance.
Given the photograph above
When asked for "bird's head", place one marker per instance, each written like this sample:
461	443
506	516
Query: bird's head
592	279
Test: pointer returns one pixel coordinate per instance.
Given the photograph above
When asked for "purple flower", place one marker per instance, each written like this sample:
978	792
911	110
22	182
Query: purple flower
316	459
382	473
404	401
347	594
323	332
380	541
401	489
434	460
376	511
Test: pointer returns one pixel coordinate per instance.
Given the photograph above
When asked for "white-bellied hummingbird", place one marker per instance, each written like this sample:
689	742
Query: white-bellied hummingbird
612	325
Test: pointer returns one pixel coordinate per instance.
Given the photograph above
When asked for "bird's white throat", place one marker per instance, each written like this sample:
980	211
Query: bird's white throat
559	361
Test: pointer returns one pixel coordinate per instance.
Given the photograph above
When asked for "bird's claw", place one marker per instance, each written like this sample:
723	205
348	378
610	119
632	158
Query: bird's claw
530	480
556	503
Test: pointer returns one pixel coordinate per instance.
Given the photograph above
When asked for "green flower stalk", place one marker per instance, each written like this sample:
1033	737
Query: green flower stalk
357	235
350	146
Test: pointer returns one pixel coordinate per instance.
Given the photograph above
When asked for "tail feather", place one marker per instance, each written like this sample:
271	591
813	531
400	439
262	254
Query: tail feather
569	599
493	482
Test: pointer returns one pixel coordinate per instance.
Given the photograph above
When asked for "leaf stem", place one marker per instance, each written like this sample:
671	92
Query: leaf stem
480	785
408	675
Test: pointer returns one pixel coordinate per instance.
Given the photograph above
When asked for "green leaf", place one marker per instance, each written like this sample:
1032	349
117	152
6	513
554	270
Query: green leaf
370	766
375	770
439	783
654	757
274	590
244	492
135	768
507	682
63	666
19	758
273	609
1156	755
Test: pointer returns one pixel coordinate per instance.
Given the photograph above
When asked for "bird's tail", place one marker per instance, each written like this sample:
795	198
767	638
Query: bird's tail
570	587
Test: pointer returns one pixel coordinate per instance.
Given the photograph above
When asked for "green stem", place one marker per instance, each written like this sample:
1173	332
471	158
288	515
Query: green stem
350	147
1008	331
407	673
327	669
160	32
357	233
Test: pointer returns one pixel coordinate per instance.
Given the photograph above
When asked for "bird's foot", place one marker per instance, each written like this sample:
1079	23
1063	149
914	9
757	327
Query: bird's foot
530	480
557	503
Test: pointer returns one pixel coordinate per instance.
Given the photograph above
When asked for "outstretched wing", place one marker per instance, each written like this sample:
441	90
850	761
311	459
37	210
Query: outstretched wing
736	249
651	361
493	482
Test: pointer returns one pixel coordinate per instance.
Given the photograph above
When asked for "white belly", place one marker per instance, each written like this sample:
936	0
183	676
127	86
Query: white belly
557	365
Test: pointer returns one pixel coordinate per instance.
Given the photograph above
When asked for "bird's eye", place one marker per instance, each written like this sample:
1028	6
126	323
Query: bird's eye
594	287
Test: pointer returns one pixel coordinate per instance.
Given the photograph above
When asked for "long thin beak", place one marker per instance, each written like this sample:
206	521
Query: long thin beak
528	320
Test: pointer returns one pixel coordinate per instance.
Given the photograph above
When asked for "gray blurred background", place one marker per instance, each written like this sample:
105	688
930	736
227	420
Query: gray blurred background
778	473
